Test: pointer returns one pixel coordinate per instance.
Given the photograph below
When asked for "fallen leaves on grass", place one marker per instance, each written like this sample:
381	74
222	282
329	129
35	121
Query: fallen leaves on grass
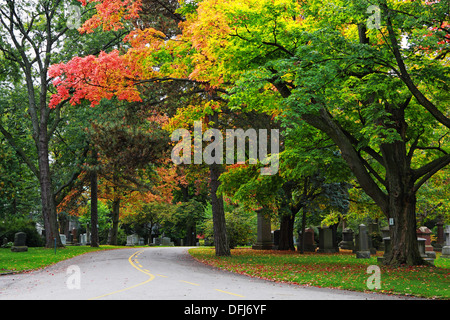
330	270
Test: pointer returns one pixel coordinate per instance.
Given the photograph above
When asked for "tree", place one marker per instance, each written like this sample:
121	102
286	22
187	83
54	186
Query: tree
131	147
306	179
85	78
315	63
94	200
31	32
377	100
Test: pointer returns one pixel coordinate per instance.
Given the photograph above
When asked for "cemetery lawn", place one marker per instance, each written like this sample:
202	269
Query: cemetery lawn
36	258
342	271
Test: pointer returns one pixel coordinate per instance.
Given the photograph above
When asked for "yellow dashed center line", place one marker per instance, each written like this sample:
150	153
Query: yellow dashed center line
151	277
194	284
135	264
233	294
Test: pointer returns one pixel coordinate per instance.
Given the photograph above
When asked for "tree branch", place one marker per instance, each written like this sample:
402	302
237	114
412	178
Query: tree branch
19	151
406	78
428	170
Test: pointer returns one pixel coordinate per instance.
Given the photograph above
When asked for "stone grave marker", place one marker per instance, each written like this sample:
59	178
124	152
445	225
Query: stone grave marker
446	248
440	239
425	233
347	239
83	239
165	241
420	243
20	239
326	241
363	252
63	239
74	237
264	236
132	240
310	245
387	249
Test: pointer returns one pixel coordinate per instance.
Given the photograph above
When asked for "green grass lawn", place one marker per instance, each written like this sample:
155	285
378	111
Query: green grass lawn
341	271
37	258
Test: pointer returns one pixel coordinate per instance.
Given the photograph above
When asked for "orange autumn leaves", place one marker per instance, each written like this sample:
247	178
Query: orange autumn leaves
93	78
109	14
108	75
168	180
146	54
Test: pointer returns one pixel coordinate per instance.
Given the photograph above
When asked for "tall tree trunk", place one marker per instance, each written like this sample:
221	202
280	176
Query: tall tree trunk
47	199
94	201
220	230
401	195
287	232
115	222
302	236
404	245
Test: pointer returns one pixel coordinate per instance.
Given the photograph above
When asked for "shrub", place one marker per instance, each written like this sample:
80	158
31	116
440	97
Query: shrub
10	226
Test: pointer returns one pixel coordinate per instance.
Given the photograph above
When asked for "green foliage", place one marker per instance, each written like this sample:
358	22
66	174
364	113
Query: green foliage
13	224
104	223
240	225
183	218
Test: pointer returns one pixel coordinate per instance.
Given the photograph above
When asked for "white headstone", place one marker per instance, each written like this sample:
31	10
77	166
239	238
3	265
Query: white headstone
83	239
446	247
132	240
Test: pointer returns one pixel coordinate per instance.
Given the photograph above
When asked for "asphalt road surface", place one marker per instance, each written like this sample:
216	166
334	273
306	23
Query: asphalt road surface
153	273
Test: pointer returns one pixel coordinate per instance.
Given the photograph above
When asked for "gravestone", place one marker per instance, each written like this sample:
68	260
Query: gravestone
440	239
310	245
446	248
428	257
363	251
425	233
132	240
74	236
385	233
387	249
326	241
83	239
264	237
157	241
420	243
165	241
63	239
20	239
347	239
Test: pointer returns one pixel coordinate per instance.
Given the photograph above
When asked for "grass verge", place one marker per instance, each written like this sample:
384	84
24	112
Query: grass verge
342	271
36	258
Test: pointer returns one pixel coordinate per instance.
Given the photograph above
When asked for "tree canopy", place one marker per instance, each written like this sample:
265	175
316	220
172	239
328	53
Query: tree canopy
358	90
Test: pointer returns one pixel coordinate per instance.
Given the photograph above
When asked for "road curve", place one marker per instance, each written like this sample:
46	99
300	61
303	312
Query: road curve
154	273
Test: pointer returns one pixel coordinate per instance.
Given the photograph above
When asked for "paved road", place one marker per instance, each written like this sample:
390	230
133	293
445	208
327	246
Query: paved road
152	273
